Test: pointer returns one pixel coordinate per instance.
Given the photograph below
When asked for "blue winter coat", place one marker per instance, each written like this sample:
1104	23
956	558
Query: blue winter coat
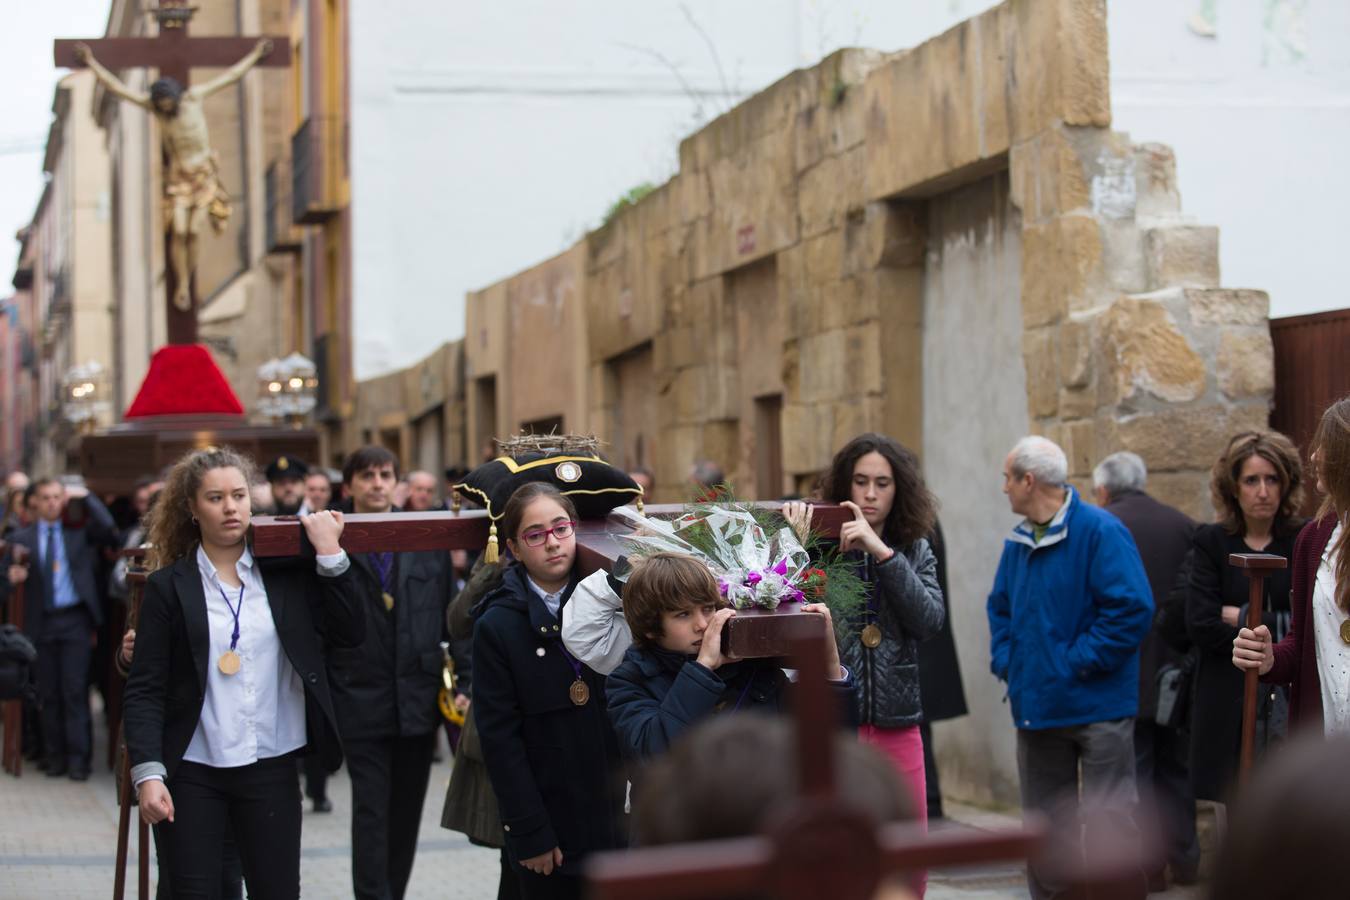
1066	618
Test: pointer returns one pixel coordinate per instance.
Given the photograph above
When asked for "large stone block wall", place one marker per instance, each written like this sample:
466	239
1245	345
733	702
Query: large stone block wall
946	244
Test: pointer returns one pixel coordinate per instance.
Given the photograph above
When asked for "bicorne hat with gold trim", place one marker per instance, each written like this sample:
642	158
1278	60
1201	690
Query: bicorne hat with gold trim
571	463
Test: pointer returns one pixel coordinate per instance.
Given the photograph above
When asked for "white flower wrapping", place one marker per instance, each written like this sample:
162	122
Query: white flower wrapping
753	567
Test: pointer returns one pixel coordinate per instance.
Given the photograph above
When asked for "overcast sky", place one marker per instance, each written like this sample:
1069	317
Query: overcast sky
29	82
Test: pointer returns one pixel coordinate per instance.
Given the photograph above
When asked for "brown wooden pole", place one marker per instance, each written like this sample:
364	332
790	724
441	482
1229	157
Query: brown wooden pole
11	755
136	581
142	859
123	829
1257	565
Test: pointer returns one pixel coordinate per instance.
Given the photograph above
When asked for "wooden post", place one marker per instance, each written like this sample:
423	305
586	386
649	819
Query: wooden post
12	752
136	583
1257	565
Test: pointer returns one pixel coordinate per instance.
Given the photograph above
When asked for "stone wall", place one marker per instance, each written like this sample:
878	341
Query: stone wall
946	244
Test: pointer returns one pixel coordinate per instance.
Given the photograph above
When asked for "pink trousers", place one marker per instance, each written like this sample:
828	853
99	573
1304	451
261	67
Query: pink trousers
904	748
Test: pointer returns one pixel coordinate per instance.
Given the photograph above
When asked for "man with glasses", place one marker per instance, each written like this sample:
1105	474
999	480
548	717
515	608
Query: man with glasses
385	691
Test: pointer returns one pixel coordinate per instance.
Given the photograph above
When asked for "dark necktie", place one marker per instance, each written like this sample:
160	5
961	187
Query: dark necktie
49	566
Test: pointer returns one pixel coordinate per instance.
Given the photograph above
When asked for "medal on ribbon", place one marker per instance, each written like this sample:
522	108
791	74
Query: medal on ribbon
230	661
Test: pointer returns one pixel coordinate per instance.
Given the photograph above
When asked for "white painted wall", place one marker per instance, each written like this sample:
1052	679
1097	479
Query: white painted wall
972	346
1259	116
487	137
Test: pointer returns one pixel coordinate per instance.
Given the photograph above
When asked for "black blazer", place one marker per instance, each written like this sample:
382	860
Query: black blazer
387	687
167	685
82	554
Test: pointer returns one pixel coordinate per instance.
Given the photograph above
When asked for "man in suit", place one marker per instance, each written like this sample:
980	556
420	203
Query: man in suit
385	690
62	610
1163	535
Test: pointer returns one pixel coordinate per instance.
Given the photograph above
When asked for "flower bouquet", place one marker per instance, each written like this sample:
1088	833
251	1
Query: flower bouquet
761	565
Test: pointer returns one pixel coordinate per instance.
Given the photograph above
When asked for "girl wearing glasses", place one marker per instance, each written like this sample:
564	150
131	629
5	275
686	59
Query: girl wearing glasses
550	751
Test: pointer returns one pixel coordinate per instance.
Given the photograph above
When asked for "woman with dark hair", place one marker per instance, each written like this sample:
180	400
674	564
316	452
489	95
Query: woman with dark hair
228	682
1314	655
893	511
1257	487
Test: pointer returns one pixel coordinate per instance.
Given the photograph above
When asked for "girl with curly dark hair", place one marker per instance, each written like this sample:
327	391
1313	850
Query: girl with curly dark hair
879	481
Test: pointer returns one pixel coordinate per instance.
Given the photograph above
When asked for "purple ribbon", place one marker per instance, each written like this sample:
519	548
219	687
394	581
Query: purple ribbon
234	636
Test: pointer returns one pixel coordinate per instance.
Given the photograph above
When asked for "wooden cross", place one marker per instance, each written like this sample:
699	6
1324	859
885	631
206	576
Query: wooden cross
820	849
174	54
1257	566
752	633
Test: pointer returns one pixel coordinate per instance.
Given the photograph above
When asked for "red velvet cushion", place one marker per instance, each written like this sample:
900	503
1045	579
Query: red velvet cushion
184	380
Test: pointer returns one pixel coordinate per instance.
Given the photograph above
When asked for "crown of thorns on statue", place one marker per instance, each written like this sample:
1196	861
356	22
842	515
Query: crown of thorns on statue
548	444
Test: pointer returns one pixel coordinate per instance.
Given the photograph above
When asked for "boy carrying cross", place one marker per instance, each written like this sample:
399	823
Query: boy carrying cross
676	674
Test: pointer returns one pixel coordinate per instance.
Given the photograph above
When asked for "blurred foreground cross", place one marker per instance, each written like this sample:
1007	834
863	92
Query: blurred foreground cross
821	848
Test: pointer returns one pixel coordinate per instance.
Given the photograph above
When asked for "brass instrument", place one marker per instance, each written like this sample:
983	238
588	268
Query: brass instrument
445	699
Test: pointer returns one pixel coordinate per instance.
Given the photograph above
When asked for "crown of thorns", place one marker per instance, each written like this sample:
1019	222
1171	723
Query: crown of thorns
548	444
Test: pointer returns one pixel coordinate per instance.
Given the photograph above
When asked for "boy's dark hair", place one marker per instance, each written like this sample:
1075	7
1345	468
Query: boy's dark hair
731	775
368	457
522	497
662	583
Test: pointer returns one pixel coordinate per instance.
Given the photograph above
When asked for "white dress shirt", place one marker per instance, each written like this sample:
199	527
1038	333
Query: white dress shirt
258	712
551	601
1333	654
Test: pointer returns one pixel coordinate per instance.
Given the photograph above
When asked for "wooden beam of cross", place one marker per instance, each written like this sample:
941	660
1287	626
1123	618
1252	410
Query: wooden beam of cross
821	848
753	633
1257	566
175	54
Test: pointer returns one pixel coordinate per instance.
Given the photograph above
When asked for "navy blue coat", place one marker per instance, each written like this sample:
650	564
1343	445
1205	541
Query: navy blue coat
655	695
554	766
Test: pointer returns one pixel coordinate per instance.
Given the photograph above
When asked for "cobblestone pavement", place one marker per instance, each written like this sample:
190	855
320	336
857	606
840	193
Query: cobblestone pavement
58	839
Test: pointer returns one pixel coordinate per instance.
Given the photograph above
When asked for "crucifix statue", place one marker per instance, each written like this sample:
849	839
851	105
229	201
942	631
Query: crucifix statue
193	194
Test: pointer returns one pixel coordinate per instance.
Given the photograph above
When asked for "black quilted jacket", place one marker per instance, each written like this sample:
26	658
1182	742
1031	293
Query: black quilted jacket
909	609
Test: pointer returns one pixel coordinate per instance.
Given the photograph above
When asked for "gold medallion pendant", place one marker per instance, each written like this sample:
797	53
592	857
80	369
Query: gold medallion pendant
871	637
1345	631
388	600
579	692
228	662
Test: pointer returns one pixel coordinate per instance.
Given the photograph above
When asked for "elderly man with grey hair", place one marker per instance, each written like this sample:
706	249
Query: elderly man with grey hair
1069	607
1163	536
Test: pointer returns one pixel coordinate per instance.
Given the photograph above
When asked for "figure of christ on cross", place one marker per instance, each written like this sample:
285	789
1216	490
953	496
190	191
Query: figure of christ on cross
193	193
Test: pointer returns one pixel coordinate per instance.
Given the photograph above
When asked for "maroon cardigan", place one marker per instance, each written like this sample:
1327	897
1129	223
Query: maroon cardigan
1296	655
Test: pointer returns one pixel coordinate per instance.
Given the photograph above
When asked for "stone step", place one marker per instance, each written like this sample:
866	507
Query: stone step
1180	255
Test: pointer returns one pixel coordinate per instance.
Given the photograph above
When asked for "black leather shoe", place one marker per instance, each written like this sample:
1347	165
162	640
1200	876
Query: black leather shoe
56	770
79	774
323	805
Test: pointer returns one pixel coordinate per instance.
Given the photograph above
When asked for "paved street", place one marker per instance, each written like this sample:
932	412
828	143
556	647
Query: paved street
58	839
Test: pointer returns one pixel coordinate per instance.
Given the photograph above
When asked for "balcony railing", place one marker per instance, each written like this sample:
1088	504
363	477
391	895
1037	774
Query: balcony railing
318	163
281	233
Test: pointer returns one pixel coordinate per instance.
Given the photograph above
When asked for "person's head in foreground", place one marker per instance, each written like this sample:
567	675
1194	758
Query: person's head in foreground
1289	826
735	776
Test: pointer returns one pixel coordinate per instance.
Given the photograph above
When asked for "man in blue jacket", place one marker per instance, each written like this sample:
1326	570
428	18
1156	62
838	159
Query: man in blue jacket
1069	608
